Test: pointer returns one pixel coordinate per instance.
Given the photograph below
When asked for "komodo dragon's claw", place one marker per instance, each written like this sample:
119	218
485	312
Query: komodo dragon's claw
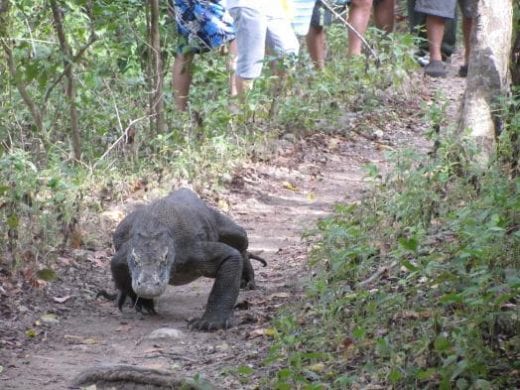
208	325
257	258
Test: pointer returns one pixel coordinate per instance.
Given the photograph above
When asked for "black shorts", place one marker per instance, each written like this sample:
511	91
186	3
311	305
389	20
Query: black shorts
321	16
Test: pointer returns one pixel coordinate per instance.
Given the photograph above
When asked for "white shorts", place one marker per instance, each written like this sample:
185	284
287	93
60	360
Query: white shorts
253	31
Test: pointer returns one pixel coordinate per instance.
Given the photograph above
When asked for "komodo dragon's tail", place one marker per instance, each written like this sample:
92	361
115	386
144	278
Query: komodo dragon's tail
257	258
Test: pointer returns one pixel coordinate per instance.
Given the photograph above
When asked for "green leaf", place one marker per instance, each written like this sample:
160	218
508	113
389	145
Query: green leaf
284	374
441	344
426	374
394	376
409	265
3	189
13	221
462	384
496	229
245	370
53	182
46	274
461	367
482	384
409	244
358	333
451	298
31	71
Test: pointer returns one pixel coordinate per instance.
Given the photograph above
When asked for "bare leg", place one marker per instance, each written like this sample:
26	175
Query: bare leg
243	86
232	66
182	74
435	32
316	44
467	25
384	15
359	16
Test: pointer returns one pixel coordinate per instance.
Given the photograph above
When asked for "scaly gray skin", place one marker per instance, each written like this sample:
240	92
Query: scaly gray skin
175	240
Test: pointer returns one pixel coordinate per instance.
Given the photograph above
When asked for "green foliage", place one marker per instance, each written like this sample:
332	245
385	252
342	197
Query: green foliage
442	244
48	199
39	205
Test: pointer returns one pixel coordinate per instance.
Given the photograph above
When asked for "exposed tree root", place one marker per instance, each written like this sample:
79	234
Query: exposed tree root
125	376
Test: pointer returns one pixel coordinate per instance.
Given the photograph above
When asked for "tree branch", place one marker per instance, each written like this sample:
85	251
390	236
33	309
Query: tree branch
70	88
73	60
36	113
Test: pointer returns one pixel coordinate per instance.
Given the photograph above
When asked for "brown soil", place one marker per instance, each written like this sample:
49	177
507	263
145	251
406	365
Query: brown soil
55	331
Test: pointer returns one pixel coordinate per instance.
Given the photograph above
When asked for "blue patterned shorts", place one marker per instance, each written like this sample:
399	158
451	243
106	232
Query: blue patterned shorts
202	25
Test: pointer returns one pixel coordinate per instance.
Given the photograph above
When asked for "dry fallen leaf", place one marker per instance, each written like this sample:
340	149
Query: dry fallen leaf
348	348
61	299
311	197
80	340
279	295
316	367
269	332
223	205
123	328
98	262
65	260
290	186
50	318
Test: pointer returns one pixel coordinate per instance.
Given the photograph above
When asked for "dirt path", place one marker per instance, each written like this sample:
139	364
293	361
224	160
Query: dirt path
276	202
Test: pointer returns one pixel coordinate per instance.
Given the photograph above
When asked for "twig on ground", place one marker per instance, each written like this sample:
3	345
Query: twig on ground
374	277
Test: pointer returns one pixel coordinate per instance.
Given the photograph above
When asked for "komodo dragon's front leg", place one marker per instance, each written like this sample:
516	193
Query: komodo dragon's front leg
224	263
235	235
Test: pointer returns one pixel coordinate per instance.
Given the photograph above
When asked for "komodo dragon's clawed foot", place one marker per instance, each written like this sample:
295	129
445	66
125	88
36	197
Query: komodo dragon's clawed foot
143	304
209	324
247	284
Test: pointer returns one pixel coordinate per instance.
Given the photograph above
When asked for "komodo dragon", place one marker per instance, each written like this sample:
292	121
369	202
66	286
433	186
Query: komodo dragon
175	240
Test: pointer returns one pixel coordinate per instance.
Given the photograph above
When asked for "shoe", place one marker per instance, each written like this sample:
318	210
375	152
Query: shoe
463	71
423	60
422	57
435	68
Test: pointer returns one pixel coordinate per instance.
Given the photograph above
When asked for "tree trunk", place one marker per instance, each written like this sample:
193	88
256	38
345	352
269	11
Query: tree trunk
515	60
488	76
157	108
71	86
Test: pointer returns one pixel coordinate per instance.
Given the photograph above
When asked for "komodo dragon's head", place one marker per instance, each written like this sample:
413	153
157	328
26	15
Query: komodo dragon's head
150	257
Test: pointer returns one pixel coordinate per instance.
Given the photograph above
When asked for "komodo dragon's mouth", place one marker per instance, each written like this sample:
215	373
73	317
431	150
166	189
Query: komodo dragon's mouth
148	287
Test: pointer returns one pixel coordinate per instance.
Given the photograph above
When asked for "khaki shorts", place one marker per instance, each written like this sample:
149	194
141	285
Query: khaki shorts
446	8
255	30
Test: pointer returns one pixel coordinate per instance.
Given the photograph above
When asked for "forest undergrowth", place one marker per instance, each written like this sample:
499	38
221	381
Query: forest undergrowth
416	286
46	196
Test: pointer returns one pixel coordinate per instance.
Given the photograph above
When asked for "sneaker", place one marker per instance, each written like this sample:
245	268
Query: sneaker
435	68
463	71
422	57
423	60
